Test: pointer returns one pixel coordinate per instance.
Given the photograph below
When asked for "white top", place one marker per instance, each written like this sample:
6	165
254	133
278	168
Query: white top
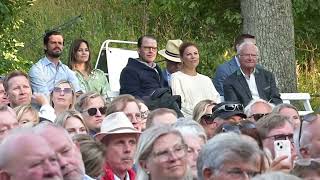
192	90
251	81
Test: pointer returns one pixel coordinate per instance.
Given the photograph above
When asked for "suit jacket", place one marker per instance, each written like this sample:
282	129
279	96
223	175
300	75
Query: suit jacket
236	88
165	78
223	71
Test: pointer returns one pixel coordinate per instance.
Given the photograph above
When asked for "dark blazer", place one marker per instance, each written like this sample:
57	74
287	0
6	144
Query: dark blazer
236	88
165	78
223	71
139	79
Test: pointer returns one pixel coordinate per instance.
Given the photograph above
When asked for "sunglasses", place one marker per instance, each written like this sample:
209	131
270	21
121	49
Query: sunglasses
258	116
237	127
93	111
282	137
230	107
65	90
308	118
207	118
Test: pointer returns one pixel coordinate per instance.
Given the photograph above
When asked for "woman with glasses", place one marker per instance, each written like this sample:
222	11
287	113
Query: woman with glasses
73	122
62	97
162	154
92	107
80	62
202	113
189	84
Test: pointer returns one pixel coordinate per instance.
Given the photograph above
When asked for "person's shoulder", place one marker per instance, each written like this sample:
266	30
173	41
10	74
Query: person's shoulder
98	71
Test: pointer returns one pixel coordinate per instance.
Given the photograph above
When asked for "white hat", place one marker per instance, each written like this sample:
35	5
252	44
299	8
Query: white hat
116	123
172	50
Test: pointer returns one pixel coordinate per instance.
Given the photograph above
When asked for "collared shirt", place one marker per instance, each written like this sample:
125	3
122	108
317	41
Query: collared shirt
153	65
45	74
127	177
86	177
251	81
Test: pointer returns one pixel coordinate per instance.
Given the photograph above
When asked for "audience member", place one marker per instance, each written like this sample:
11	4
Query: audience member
226	69
68	154
3	95
189	84
49	70
73	122
27	115
202	113
62	97
308	137
142	76
25	155
92	107
161	154
290	111
257	108
250	81
228	111
161	116
144	110
195	138
172	58
8	120
229	156
130	106
308	169
276	175
80	62
93	153
120	138
277	127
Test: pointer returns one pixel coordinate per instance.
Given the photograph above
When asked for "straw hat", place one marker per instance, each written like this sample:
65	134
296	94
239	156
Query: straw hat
116	123
172	50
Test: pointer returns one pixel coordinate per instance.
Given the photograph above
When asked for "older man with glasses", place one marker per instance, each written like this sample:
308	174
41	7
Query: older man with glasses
277	127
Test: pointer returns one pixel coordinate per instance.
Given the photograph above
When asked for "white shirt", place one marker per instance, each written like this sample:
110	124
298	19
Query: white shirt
251	81
117	178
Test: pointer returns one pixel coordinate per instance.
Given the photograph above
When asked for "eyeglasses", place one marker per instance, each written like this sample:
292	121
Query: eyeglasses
258	116
93	111
282	137
237	127
145	114
178	151
147	48
64	90
308	118
230	107
249	55
207	118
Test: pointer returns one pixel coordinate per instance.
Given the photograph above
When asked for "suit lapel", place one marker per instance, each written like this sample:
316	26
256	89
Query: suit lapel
243	83
259	83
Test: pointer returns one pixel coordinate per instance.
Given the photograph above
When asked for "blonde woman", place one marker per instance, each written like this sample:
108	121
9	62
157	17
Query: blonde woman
62	97
73	122
27	115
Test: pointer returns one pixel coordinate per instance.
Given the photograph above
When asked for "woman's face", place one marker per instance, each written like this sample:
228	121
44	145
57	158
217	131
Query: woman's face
195	144
168	159
27	118
82	54
62	96
293	116
190	57
74	126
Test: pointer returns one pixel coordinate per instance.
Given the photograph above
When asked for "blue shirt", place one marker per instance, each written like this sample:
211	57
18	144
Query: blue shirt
45	74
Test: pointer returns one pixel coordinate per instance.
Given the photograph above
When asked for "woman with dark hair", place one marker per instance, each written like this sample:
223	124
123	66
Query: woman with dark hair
80	61
192	86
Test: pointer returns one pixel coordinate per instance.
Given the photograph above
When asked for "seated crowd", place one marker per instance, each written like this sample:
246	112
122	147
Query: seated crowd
57	122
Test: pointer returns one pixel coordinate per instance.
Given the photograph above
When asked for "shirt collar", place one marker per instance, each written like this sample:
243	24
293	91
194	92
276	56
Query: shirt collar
145	63
248	77
47	61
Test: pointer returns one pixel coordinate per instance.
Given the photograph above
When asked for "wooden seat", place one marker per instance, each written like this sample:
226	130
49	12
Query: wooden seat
304	97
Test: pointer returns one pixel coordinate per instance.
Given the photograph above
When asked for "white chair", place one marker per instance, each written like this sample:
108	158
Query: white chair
304	97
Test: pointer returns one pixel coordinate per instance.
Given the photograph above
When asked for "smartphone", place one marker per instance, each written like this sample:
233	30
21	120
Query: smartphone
283	147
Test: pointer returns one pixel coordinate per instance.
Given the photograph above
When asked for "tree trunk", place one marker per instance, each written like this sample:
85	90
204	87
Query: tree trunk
271	22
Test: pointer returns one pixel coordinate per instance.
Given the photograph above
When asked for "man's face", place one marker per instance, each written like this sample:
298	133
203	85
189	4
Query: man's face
148	50
243	170
69	156
248	57
33	159
293	116
235	119
120	149
3	96
285	132
94	121
132	111
259	109
315	139
55	46
173	67
8	121
19	91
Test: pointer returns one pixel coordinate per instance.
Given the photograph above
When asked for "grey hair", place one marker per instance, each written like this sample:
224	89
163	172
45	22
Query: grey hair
226	147
279	107
248	108
244	44
276	175
190	127
145	145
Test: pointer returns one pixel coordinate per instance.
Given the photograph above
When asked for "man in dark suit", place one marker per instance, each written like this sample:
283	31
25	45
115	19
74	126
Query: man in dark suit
250	82
226	69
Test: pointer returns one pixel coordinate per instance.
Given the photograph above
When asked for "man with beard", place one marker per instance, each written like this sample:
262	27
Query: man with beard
50	70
